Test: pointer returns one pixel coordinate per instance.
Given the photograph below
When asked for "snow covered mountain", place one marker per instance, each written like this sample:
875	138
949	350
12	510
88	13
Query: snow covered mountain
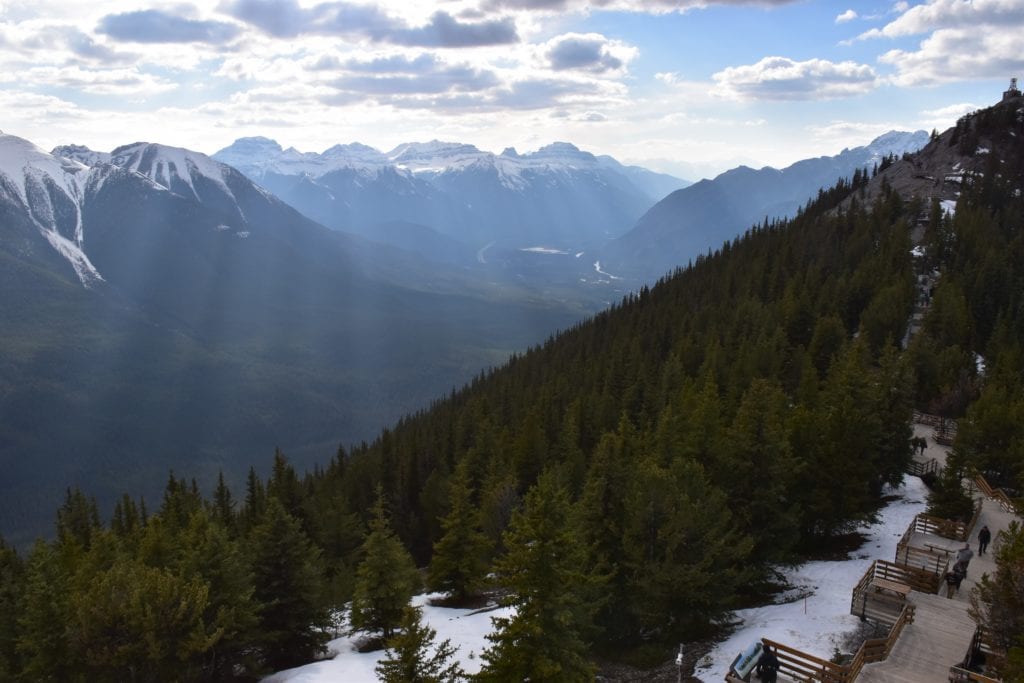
559	195
704	215
158	309
49	191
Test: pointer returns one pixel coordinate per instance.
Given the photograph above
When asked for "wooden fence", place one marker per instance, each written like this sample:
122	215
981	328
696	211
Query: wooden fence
997	495
991	654
920	469
800	666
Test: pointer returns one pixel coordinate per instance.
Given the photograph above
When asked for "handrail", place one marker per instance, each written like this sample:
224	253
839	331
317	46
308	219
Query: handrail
802	666
997	494
959	674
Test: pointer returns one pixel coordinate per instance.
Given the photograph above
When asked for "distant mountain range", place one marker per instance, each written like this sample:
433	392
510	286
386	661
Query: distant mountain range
557	197
704	215
160	310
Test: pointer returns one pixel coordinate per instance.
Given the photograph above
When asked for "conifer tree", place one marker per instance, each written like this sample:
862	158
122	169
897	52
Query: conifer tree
386	578
42	642
997	603
288	580
542	572
138	622
208	554
413	656
223	507
459	565
11	589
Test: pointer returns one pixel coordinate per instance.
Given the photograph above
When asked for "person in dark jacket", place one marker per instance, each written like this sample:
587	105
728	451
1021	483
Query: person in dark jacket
984	536
768	666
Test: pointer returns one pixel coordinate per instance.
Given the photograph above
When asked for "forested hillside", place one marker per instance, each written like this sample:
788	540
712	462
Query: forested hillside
627	482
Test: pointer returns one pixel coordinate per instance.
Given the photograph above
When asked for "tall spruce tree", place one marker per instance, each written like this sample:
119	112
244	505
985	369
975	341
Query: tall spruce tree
386	578
42	642
459	566
288	579
11	588
542	572
413	656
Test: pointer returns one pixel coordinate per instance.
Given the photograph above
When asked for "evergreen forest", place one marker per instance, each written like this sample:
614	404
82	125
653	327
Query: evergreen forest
623	485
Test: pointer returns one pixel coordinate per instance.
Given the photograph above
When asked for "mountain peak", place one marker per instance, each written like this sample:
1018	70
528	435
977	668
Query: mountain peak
171	167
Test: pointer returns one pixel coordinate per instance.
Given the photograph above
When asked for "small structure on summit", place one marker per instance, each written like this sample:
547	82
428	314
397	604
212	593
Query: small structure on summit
1013	92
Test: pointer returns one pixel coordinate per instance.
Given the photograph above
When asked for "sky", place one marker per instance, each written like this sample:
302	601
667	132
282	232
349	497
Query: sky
684	86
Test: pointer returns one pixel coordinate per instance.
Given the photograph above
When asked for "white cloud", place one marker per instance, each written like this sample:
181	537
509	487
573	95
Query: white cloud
781	78
955	54
956	14
945	117
848	15
647	6
667	77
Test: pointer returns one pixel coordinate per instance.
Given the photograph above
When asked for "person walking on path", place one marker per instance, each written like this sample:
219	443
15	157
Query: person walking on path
984	536
954	578
963	558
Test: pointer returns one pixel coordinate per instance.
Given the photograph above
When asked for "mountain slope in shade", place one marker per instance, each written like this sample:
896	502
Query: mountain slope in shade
558	195
220	323
704	215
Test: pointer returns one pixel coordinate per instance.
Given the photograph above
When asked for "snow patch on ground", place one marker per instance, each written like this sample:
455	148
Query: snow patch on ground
467	630
816	624
917	252
948	206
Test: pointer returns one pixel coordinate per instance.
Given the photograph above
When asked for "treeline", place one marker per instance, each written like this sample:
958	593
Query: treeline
623	485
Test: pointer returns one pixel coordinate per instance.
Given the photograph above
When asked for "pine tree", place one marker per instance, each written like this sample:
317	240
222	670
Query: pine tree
223	507
207	553
134	622
412	656
12	574
459	566
386	578
543	574
288	580
43	617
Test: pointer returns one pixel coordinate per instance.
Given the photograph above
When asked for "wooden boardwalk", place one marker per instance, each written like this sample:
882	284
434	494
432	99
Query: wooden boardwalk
938	639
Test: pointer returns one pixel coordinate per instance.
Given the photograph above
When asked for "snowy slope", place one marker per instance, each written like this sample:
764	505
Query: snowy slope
50	190
817	615
814	619
174	168
467	629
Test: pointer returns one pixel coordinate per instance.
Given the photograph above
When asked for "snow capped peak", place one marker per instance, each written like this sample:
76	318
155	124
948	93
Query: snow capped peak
20	160
433	153
174	168
252	145
510	152
898	142
49	188
82	154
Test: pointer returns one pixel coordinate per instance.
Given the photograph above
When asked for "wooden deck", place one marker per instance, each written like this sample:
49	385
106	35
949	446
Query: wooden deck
937	640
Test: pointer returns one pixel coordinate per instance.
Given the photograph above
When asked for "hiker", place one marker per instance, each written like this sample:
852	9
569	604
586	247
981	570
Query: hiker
963	558
984	536
768	666
954	578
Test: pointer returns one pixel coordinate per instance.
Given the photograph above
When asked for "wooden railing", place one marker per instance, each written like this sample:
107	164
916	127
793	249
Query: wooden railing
947	528
930	559
800	666
997	495
960	675
945	428
920	469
